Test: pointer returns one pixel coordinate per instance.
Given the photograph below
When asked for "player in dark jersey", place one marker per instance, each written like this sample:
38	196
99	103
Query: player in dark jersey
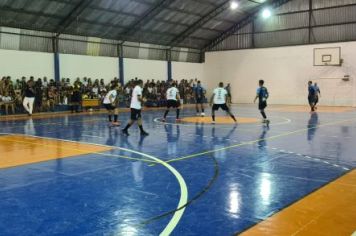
199	95
318	94
262	96
312	96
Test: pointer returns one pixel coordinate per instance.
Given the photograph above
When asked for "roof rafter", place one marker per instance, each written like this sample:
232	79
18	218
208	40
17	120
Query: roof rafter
68	19
150	14
199	23
245	21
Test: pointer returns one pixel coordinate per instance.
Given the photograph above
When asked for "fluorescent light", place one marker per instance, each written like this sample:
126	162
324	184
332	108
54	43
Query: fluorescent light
234	5
266	13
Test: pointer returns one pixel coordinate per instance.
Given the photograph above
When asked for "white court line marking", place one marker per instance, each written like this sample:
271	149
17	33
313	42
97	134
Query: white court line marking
158	120
183	200
91	136
312	158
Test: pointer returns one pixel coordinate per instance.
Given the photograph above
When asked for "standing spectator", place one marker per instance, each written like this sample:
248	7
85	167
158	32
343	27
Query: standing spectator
45	82
51	97
29	97
38	95
18	85
23	83
85	81
76	98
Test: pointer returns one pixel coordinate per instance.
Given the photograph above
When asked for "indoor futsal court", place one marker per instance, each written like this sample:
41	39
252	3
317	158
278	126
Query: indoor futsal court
177	117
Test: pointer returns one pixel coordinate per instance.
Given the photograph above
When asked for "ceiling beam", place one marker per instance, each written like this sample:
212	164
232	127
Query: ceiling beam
245	21
71	16
108	26
199	23
158	19
149	15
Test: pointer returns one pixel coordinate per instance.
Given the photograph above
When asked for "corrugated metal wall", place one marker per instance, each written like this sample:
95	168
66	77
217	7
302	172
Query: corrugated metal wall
29	40
294	24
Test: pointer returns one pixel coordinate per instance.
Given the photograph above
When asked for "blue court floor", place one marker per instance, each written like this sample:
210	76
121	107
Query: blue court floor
183	179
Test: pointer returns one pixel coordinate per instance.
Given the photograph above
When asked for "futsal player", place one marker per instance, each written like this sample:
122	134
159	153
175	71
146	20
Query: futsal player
110	103
219	100
173	99
318	94
262	96
136	107
199	93
311	96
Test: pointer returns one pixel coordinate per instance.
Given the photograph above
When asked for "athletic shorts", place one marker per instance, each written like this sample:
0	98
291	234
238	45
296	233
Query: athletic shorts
135	114
109	107
222	106
312	99
172	103
199	100
262	105
316	99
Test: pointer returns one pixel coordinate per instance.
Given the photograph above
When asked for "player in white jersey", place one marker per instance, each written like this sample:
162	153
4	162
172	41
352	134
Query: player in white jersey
173	99
110	103
218	100
136	105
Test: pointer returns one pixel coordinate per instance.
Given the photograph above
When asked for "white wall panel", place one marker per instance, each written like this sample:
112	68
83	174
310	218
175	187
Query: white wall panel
286	71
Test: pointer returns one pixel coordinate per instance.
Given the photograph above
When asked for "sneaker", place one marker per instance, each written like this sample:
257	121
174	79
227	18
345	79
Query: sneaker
163	120
202	114
115	124
125	132
178	120
213	122
198	114
144	133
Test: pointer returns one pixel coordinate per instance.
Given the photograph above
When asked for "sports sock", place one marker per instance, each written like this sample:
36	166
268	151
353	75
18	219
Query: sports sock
233	117
110	119
178	111
263	115
127	127
165	114
213	116
115	118
141	128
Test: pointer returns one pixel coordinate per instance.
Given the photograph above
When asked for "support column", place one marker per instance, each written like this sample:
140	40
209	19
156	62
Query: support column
169	65
310	21
57	75
121	64
253	45
169	70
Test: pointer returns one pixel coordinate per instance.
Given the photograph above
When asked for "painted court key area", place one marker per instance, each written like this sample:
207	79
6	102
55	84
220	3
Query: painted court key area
19	150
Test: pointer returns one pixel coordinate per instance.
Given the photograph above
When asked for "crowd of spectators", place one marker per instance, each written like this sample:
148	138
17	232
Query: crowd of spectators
50	94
